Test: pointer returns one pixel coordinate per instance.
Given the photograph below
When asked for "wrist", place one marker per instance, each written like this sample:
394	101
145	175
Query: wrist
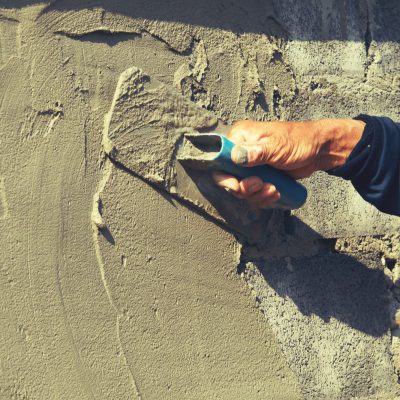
337	139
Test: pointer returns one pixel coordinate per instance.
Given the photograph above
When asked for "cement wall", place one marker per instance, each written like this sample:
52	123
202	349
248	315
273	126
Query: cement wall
112	289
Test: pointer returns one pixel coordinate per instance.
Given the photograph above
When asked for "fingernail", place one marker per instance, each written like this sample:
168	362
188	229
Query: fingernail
229	190
272	189
255	187
239	155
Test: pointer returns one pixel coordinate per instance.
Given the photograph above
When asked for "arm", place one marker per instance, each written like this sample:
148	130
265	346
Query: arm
374	164
364	150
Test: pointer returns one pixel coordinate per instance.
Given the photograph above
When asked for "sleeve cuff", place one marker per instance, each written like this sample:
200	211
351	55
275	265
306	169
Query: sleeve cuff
374	164
359	155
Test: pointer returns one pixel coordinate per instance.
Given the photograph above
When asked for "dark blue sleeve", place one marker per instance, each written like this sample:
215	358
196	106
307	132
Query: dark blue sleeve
373	166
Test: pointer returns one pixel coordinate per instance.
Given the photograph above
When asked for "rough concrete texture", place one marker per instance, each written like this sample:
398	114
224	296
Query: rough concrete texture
329	297
111	289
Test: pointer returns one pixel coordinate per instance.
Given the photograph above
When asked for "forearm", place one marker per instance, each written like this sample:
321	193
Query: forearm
373	166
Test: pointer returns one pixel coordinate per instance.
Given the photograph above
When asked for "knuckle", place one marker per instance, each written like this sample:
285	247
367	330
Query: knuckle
271	189
268	187
263	153
240	124
238	127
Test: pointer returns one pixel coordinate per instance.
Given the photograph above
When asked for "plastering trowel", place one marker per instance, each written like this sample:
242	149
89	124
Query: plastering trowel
166	140
212	151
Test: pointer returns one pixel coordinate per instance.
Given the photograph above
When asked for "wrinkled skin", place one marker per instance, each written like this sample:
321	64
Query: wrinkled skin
298	148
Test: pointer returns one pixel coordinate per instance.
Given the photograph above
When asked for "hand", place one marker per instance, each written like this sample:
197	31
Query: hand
299	148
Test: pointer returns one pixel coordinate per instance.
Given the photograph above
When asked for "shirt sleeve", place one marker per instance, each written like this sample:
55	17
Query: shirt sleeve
373	166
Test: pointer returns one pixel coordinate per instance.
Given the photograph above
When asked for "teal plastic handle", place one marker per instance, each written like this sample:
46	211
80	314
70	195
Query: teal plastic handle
293	194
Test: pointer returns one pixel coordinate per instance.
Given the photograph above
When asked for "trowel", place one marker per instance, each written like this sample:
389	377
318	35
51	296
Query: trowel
173	144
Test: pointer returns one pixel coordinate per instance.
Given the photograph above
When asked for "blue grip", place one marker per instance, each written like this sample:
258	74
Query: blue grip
293	194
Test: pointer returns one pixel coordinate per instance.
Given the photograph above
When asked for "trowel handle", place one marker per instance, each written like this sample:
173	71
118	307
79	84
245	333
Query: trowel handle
293	194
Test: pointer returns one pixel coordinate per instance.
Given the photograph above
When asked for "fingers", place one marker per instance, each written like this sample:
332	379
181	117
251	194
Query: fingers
251	140
251	154
246	131
226	181
252	189
236	135
250	186
242	189
265	198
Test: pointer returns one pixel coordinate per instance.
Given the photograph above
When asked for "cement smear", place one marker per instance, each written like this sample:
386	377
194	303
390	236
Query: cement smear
111	289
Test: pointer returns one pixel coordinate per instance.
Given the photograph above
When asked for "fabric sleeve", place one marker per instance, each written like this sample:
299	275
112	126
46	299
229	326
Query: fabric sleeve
373	166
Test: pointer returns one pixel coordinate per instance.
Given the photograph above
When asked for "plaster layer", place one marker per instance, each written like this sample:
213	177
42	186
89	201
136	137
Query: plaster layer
187	325
143	133
111	289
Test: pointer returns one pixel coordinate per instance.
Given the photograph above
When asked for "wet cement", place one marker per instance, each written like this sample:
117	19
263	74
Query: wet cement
111	289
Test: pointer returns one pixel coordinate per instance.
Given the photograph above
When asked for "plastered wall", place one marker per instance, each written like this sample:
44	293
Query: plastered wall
110	288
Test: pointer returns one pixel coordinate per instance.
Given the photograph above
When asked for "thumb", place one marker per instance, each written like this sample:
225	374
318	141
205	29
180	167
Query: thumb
250	154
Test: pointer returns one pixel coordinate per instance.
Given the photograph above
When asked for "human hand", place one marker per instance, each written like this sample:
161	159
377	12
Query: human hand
298	148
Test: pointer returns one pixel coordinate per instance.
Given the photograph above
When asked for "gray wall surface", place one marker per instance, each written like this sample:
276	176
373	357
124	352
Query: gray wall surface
111	288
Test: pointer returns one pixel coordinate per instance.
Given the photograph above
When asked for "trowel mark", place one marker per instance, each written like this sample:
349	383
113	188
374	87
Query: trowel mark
3	200
151	118
97	225
41	122
188	78
9	39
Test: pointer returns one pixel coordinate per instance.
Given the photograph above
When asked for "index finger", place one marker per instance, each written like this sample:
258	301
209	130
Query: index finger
247	131
236	134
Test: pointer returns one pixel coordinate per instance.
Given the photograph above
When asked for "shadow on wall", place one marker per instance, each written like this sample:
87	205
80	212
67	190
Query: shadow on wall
333	285
328	285
362	20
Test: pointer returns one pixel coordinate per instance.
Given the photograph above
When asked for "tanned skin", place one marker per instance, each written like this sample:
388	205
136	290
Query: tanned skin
299	148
